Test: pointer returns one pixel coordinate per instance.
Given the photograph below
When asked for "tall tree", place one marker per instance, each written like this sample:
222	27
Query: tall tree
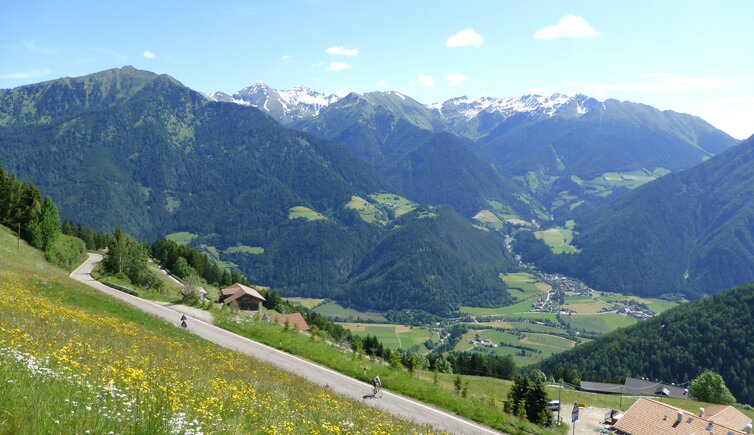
710	387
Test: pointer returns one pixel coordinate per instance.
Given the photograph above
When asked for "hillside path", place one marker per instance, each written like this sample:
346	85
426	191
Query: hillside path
392	403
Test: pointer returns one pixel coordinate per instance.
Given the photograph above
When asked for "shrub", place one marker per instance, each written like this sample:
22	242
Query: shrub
66	252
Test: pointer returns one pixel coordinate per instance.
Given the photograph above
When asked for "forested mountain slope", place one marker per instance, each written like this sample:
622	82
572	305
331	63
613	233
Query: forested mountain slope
677	346
137	150
132	149
460	264
690	232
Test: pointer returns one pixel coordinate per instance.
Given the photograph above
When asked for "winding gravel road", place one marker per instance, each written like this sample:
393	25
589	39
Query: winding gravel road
392	403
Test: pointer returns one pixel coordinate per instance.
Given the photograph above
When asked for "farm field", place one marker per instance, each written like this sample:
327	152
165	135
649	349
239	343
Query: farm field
243	249
524	288
488	217
182	237
301	212
588	306
368	212
305	302
393	336
337	312
598	323
558	239
398	204
545	344
519	326
520	307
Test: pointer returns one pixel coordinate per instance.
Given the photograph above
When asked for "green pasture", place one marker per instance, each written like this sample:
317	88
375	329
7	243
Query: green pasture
301	212
598	323
335	311
243	249
182	237
398	204
558	239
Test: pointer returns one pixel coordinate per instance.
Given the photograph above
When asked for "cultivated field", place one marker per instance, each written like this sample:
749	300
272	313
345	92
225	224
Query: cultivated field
182	237
558	239
243	249
598	323
393	336
301	212
398	204
335	311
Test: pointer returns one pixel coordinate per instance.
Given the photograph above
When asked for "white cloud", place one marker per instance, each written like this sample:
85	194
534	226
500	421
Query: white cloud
382	84
569	26
338	66
465	38
456	78
286	58
23	75
149	54
426	80
342	51
33	47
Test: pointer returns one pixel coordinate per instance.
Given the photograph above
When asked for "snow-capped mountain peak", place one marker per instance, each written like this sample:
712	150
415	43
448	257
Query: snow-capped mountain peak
538	106
286	106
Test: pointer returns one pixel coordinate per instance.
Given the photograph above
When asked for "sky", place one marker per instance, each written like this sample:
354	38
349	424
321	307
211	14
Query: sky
691	56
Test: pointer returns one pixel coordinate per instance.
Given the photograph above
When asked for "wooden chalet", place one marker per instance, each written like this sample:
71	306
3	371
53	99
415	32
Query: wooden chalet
247	298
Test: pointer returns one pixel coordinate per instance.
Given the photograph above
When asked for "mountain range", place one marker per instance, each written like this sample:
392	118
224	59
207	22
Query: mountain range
558	146
295	207
132	149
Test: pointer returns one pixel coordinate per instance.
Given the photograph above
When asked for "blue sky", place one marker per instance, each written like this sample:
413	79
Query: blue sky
693	56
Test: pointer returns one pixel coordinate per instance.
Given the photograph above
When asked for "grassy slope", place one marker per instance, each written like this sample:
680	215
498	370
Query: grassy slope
362	368
121	370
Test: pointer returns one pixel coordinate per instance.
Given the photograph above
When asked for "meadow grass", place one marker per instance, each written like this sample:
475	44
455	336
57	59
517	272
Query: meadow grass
302	212
558	239
599	323
397	203
392	336
182	237
305	302
368	212
243	249
398	380
73	360
335	311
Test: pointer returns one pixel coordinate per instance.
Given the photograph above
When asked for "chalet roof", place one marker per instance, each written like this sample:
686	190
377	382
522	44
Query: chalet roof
640	386
295	320
601	387
727	416
237	290
650	417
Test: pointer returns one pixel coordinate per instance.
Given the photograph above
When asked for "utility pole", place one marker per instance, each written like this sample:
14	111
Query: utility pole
18	238
559	391
621	397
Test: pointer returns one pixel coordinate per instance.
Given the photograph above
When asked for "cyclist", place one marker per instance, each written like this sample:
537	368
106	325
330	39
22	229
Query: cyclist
376	384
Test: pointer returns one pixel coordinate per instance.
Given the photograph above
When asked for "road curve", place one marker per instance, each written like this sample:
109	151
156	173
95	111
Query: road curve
392	403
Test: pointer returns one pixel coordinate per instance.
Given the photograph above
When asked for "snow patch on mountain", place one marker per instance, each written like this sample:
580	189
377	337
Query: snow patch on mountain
535	105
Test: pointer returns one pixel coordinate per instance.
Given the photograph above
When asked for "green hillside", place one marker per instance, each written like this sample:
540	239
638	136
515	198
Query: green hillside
73	360
678	345
436	264
688	232
140	151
